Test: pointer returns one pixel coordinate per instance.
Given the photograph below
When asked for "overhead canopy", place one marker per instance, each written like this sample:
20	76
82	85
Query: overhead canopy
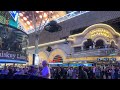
26	17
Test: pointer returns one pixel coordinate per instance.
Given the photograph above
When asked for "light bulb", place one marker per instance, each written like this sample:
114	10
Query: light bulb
24	18
21	14
45	15
28	22
40	16
37	11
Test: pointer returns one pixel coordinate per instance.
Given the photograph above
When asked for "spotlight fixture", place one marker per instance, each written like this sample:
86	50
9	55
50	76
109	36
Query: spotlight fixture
52	26
49	49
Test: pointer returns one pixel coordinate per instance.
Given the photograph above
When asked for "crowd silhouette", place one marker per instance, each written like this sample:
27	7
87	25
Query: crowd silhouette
81	72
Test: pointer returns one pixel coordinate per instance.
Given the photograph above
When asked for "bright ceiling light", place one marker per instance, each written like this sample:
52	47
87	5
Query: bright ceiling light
57	15
21	14
45	15
40	16
37	11
51	12
43	21
28	22
31	27
25	18
54	17
22	20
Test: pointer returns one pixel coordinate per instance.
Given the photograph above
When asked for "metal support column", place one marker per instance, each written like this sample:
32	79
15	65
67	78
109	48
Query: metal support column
36	37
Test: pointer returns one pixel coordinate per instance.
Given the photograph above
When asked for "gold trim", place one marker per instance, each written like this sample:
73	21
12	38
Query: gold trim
71	36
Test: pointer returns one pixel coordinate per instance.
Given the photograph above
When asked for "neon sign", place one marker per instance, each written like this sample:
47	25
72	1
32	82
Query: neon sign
100	32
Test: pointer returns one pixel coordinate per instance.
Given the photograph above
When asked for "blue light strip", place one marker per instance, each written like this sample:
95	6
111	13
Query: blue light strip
11	61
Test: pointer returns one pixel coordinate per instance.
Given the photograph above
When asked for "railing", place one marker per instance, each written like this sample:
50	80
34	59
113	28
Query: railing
63	18
70	15
97	52
91	48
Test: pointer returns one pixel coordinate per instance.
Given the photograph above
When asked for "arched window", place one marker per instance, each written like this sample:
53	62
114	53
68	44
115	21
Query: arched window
57	59
88	43
99	44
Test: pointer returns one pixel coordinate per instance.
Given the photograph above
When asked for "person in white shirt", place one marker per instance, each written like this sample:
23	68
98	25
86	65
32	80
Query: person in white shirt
46	70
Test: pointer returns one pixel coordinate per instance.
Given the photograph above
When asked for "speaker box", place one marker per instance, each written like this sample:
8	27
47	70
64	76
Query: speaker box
33	59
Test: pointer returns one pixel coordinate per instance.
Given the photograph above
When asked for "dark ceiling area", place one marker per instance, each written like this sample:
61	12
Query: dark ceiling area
115	23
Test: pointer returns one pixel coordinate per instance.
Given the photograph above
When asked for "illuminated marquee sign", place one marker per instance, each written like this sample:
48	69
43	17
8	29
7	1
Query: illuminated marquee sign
106	59
100	32
9	55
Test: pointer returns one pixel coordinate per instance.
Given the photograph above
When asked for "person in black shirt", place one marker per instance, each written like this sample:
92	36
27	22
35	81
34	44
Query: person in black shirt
82	74
90	73
106	73
116	73
61	72
102	74
57	74
65	74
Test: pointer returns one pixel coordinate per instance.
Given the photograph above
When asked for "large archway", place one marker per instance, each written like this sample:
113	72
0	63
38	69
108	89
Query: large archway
43	56
57	59
56	52
88	44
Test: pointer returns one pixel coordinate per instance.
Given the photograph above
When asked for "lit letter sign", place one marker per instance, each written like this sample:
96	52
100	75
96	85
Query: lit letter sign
100	32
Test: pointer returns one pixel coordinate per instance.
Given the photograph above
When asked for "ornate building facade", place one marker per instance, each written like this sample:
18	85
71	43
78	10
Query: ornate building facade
106	42
97	38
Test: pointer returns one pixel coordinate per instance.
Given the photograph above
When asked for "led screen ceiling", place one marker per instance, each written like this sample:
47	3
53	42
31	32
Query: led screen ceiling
26	17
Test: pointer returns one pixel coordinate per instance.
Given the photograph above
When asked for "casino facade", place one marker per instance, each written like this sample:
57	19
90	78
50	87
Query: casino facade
88	37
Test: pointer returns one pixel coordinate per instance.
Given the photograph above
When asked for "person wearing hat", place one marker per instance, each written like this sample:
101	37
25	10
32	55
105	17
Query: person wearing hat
46	70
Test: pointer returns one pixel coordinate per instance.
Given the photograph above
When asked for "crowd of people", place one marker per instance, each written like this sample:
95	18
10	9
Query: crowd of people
29	71
81	72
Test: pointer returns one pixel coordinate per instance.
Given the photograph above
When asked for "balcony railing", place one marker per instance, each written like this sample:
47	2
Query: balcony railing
97	52
70	15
